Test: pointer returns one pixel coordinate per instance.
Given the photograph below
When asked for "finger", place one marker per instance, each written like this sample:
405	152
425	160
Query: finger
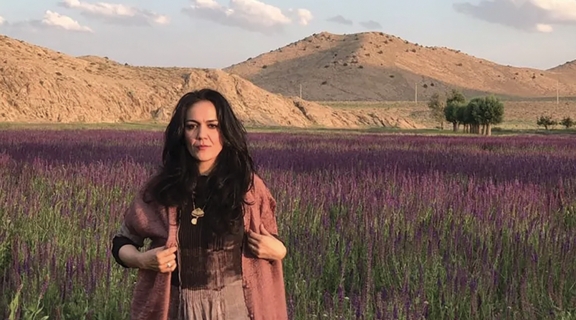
168	267
253	241
167	259
263	230
172	249
254	249
254	235
169	251
165	254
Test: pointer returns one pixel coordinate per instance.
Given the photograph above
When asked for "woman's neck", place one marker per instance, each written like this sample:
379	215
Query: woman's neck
204	171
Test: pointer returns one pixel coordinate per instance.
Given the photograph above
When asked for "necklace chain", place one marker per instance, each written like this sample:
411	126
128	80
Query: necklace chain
198	212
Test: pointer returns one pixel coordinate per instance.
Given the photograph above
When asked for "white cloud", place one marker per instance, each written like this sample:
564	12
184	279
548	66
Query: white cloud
527	15
56	20
544	28
559	10
371	24
341	20
116	13
304	16
50	20
2	21
252	15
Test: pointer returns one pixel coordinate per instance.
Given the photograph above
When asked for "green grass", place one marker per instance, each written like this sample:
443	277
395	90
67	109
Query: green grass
364	233
277	129
147	126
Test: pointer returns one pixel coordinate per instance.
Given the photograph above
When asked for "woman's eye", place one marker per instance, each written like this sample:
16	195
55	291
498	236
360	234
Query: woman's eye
194	126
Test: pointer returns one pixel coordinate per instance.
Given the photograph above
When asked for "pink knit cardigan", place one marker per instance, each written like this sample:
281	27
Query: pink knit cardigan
263	279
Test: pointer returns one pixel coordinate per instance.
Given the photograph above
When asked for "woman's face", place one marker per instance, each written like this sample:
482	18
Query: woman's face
202	133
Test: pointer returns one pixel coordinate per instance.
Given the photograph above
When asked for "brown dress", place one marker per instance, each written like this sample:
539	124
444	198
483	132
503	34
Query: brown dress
208	281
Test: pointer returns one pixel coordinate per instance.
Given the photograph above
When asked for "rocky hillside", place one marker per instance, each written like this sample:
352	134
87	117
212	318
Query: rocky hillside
378	66
41	85
568	68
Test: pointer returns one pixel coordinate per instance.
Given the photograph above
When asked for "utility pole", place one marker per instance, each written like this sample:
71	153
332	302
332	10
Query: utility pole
557	93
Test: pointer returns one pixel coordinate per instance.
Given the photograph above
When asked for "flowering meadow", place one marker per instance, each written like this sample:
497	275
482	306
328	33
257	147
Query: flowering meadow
376	226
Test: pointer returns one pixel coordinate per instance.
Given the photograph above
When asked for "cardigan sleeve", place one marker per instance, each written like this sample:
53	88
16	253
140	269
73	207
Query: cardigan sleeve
129	228
268	213
117	243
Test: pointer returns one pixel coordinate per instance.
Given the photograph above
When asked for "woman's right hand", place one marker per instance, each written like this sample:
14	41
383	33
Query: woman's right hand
160	259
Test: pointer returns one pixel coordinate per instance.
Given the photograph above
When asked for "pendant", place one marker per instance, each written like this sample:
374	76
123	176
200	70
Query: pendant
196	213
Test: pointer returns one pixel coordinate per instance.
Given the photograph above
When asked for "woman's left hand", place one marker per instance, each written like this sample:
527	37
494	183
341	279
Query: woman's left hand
265	245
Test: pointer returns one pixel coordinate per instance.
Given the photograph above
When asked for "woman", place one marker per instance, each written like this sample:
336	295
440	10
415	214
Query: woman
211	220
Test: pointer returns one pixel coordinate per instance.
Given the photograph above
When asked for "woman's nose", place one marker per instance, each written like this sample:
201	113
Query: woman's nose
201	131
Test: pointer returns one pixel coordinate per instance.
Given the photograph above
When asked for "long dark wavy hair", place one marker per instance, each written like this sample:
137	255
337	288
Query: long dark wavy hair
228	181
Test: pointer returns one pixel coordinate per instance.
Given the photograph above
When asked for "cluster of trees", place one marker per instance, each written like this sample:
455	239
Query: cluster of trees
548	121
475	116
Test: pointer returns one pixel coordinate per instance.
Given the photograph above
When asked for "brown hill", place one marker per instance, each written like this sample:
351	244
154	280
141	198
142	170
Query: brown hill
566	68
40	85
377	66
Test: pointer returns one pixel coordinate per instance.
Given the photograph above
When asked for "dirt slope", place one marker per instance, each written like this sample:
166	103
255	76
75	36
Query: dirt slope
40	85
568	68
378	66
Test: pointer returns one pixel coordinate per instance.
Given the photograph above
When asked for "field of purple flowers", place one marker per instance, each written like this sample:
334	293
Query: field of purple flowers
377	227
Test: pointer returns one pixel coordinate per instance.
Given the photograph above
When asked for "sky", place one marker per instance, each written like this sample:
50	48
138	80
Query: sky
219	33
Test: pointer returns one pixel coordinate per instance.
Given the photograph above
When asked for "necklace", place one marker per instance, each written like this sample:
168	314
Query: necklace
196	213
199	212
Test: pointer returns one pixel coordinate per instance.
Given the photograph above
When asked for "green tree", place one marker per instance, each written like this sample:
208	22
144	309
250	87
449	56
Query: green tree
472	115
451	115
546	122
454	101
463	117
455	96
490	112
567	122
436	106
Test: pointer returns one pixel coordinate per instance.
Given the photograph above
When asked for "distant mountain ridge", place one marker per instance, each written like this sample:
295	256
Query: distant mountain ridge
377	66
40	85
568	67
